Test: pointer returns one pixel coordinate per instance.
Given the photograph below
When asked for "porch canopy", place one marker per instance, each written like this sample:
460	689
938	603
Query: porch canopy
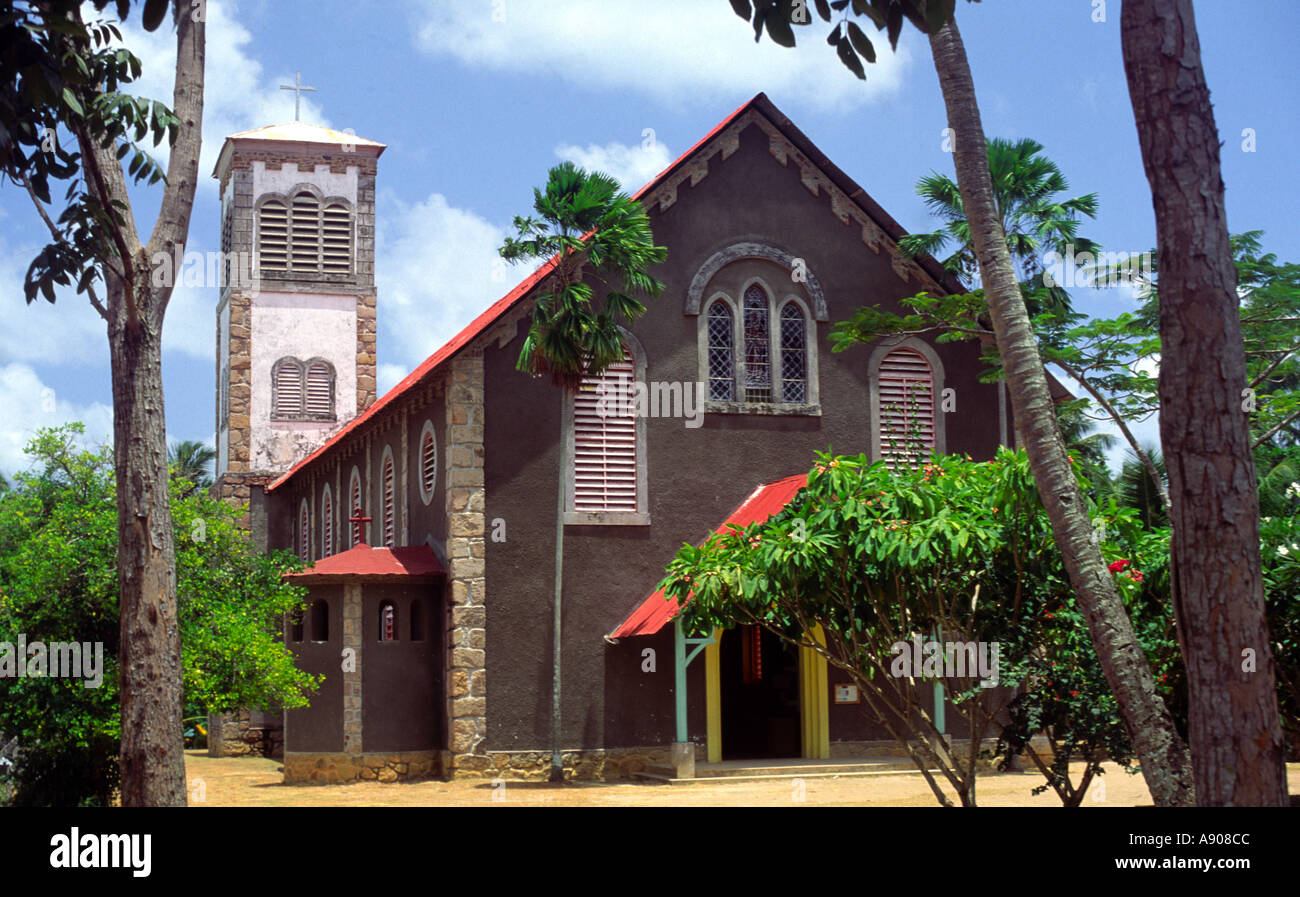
365	563
657	610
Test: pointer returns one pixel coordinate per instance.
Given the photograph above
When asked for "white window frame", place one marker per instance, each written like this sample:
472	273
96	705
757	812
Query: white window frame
639	517
426	495
326	521
385	460
356	531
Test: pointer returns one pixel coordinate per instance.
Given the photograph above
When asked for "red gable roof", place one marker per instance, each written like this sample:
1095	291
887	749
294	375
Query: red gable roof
370	563
655	611
503	305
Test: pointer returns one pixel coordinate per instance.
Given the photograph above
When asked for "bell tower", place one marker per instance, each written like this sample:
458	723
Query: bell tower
296	313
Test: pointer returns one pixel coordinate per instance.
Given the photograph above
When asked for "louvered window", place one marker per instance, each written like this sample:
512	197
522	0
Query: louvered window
320	390
794	355
387	622
273	236
286	398
326	523
354	492
428	464
722	358
304	532
906	401
758	367
604	442
390	517
302	238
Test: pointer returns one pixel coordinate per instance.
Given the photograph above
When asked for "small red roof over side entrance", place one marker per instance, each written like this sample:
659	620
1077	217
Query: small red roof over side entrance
655	611
369	563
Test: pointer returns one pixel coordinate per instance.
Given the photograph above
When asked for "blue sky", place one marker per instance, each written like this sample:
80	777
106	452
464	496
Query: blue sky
476	99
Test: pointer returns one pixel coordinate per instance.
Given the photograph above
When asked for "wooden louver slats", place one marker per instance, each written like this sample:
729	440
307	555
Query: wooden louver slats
320	389
906	401
303	238
390	527
428	463
604	442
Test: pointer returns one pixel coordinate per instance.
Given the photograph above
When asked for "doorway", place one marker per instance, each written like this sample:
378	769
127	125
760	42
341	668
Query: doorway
759	679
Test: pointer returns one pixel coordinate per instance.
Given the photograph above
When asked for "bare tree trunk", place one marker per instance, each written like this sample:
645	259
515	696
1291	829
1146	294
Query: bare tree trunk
1163	755
1233	724
152	751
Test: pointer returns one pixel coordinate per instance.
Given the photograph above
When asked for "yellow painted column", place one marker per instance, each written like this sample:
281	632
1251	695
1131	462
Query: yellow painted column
814	700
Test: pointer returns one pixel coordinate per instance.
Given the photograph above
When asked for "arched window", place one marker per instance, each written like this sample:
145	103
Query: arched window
286	389
794	355
320	620
758	366
904	396
302	390
295	626
304	531
304	235
387	621
428	462
354	504
326	522
417	620
721	352
389	500
605	442
319	400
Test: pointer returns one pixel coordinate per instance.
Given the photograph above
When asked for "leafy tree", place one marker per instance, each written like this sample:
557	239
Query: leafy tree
66	79
587	231
1164	756
1218	588
58	583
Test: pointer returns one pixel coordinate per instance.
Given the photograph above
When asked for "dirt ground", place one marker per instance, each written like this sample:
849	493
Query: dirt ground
253	782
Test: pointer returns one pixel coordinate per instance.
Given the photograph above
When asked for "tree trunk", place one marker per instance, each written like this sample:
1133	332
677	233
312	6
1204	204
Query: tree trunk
561	503
152	751
1163	755
1233	724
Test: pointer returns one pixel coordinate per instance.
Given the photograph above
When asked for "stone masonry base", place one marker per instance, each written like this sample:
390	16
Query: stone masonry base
303	768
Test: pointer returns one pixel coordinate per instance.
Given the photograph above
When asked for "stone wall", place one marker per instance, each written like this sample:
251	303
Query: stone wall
351	674
341	769
238	735
596	764
467	624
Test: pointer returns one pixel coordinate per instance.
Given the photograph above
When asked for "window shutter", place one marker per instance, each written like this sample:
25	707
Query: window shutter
273	236
304	535
356	510
326	524
604	442
304	242
288	389
428	464
336	239
906	401
390	526
320	389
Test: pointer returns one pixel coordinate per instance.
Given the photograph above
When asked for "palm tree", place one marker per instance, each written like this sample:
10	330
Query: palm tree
1034	220
191	460
1082	439
1165	761
1137	489
588	231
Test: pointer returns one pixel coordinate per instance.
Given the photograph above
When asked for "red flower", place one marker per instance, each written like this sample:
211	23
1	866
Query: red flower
1074	694
1136	576
1050	616
1119	565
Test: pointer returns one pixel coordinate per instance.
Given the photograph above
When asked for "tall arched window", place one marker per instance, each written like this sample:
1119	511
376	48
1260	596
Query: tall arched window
320	620
304	531
389	500
758	366
417	619
605	442
721	352
273	236
354	504
326	522
904	397
302	390
794	355
286	389
387	621
319	399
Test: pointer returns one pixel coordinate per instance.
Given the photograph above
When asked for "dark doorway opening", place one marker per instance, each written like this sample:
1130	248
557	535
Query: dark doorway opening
760	695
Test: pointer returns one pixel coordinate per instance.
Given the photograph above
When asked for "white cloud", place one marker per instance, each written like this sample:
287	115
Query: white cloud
237	95
69	331
29	405
631	166
390	375
436	269
673	50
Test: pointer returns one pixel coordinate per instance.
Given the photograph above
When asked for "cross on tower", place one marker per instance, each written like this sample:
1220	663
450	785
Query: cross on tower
297	88
360	530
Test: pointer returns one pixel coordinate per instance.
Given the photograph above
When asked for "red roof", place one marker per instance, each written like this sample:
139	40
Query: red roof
368	562
655	611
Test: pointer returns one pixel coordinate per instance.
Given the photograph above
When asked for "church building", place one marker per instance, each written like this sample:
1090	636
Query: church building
428	515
